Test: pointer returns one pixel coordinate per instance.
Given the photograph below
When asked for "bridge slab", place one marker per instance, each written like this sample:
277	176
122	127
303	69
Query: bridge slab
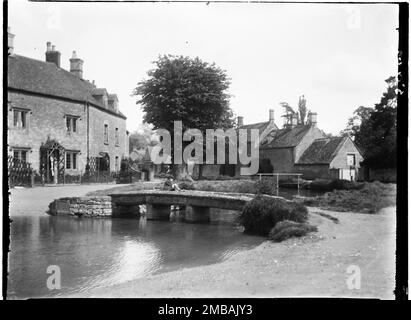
197	214
157	211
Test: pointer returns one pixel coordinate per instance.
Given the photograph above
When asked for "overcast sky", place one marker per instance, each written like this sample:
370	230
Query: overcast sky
337	55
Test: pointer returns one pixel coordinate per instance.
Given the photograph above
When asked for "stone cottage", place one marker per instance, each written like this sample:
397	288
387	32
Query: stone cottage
330	158
59	122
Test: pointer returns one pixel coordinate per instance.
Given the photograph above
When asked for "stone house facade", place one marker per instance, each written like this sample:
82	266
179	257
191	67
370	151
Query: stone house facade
330	158
60	122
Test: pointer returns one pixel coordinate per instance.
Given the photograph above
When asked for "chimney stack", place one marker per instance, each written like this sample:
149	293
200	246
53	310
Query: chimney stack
52	55
312	118
76	65
240	121
294	121
10	42
271	115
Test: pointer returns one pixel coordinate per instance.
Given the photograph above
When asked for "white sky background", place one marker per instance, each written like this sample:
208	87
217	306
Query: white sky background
337	55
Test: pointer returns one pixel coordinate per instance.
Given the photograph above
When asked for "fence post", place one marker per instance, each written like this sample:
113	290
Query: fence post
81	172
277	181
32	179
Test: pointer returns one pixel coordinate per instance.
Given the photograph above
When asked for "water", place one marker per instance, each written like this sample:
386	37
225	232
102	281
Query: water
94	253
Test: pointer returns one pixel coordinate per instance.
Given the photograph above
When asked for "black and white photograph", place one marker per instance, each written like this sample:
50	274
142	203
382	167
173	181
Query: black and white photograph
203	150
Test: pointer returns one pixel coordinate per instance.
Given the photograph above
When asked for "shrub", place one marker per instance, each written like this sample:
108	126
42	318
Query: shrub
262	213
286	229
185	185
265	186
336	184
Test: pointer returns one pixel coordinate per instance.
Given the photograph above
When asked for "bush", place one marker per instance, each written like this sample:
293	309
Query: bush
265	186
185	185
286	229
261	214
336	184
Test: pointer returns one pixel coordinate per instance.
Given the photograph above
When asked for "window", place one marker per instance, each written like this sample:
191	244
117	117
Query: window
20	154
116	163
106	133
20	118
71	160
71	124
116	137
351	159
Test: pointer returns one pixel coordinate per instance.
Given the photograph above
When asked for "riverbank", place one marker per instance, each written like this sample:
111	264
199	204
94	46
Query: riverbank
315	265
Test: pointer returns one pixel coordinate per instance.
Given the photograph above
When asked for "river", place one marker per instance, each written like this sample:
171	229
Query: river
93	253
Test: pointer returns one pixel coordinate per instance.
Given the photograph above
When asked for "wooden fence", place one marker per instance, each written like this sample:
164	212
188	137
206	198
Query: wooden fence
20	172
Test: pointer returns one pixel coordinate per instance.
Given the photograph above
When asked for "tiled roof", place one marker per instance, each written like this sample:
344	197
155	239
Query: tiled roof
46	78
322	151
261	126
285	138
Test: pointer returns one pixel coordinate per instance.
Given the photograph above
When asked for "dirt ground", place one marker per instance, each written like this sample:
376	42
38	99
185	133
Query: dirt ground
317	265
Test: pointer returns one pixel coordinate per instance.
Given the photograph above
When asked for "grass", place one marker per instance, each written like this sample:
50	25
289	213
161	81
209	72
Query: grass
369	198
287	229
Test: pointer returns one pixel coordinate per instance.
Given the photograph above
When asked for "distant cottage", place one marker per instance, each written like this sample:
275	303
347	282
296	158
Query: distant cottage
297	148
60	122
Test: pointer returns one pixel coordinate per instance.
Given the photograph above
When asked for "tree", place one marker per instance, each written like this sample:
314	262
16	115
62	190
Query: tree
360	116
377	134
188	90
301	114
302	109
144	136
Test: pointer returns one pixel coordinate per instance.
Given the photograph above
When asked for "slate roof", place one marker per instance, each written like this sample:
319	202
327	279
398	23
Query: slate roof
322	151
261	126
46	78
285	138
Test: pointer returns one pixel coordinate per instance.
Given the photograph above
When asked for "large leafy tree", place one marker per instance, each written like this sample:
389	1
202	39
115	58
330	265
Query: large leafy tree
188	90
376	131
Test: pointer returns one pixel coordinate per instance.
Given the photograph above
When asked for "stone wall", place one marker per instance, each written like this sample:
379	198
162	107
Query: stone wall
46	119
97	120
82	206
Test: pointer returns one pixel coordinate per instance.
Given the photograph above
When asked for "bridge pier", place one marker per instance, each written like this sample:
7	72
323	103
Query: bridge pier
157	211
197	214
125	211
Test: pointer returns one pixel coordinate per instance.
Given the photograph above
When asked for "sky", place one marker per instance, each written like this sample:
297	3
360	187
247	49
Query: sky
336	55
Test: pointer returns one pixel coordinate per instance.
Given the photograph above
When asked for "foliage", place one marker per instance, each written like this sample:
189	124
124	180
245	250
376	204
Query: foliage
188	90
369	198
376	129
286	229
302	109
336	184
186	185
301	114
262	213
141	138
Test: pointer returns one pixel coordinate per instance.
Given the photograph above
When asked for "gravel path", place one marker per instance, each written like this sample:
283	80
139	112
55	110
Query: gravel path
316	265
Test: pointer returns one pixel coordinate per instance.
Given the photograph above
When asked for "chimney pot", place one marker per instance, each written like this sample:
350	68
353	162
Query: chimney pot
240	121
76	65
312	118
271	115
52	55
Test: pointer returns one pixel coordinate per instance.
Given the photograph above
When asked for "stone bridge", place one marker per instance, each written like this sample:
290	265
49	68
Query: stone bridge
197	204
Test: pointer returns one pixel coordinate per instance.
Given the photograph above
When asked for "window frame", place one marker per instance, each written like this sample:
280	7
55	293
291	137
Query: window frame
71	123
117	137
105	133
352	156
20	151
18	114
72	156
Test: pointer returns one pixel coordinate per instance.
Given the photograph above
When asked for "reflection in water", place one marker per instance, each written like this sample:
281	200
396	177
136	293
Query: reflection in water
99	252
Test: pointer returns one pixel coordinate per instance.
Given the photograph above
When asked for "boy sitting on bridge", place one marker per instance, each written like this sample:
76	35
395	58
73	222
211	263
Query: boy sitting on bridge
170	185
